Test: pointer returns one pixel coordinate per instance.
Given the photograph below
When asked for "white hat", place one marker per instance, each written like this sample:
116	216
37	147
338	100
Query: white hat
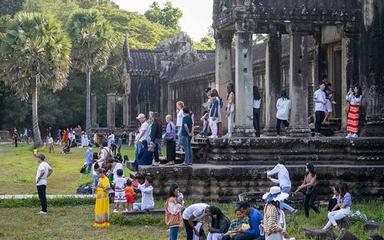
275	194
141	115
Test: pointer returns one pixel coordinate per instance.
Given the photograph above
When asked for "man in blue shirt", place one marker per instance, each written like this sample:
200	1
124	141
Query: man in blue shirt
186	136
255	218
89	159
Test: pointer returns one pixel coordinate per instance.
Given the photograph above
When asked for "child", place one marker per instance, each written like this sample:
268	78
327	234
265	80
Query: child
120	200
170	137
241	222
147	202
129	194
50	144
137	180
118	166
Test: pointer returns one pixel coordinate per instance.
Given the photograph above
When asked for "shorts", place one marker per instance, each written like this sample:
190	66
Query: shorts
120	197
130	199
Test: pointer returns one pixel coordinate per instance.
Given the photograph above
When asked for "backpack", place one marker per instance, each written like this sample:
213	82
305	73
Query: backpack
84	189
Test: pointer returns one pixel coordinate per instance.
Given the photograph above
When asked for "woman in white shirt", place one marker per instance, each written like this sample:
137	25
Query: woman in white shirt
230	108
283	106
256	110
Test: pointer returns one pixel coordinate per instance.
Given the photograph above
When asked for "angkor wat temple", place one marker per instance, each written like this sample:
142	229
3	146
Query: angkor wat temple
307	39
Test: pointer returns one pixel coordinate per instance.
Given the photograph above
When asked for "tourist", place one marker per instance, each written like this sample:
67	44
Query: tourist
320	101
204	120
73	139
213	114
179	122
105	155
64	138
173	209
236	224
119	187
51	149
129	193
328	107
119	144
170	138
255	217
354	100
130	138
283	106
58	142
42	173
191	216
274	218
283	180
342	208
147	202
156	135
118	166
145	155
95	166
333	200
102	200
140	137
111	139
186	136
219	224
96	138
66	149
230	108
256	110
15	136
310	184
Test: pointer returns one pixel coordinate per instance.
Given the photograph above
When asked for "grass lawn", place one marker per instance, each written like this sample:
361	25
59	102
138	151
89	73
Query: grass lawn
19	164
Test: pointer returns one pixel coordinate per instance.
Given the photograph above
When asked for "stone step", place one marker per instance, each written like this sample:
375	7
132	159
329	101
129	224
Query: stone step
29	196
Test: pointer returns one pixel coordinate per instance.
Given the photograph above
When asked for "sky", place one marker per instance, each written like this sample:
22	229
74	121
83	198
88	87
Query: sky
197	14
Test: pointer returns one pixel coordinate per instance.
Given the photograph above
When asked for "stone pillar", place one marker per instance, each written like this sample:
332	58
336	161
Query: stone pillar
126	112
298	84
372	69
223	67
243	84
349	71
111	108
93	110
272	81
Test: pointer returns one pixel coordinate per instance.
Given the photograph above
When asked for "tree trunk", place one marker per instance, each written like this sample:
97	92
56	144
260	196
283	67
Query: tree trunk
35	117
88	102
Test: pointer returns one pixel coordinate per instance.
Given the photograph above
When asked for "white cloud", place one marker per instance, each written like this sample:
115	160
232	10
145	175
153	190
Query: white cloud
197	14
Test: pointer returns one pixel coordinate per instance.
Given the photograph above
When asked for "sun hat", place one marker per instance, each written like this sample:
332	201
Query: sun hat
275	194
141	115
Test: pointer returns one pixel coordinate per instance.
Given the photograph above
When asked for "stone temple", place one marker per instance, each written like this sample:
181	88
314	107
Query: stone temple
307	39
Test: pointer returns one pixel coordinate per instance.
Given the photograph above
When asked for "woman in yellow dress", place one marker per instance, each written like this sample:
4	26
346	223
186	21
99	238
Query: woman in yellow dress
102	200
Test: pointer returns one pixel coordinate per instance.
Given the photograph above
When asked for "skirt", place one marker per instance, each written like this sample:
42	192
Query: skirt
102	210
130	199
353	118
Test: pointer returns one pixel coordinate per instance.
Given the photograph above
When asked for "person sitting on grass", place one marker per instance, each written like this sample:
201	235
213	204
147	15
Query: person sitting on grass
129	194
119	184
236	224
219	224
333	201
342	208
147	202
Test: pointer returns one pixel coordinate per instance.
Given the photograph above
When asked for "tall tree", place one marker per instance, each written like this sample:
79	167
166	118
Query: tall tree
168	16
92	39
35	52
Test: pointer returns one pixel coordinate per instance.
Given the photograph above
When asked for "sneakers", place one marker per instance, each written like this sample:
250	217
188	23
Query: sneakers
348	136
354	135
42	213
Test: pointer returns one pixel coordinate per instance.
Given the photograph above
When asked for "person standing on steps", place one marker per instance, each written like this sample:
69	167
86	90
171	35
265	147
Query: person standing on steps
256	110
319	97
43	172
283	106
230	108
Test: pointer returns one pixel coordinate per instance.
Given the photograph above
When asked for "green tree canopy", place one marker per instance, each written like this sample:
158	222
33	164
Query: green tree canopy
35	53
168	16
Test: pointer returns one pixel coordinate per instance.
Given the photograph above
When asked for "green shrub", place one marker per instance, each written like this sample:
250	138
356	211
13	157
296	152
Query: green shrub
34	202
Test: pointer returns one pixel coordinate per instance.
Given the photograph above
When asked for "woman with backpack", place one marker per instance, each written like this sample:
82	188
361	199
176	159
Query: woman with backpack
173	208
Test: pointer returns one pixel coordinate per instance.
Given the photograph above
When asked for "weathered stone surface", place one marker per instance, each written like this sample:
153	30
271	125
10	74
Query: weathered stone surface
319	234
345	235
372	226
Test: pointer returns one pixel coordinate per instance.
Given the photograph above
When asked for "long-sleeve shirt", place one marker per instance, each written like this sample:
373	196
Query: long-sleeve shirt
255	218
89	156
271	219
282	175
147	201
346	200
221	225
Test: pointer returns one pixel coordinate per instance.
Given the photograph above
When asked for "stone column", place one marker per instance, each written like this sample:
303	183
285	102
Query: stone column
223	67
243	84
371	76
272	81
298	84
126	112
111	108
93	110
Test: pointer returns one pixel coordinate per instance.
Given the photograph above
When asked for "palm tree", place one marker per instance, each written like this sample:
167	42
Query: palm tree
92	40
35	52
